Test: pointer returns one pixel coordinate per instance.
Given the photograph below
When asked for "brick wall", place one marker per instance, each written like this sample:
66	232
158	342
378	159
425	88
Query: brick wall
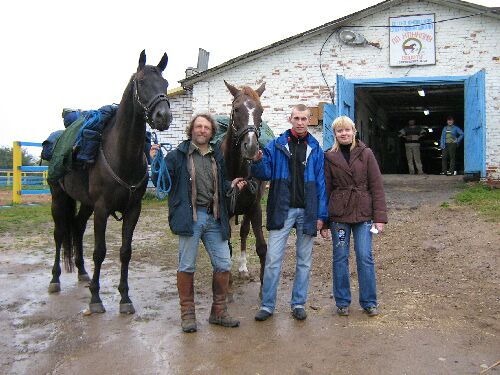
182	111
292	73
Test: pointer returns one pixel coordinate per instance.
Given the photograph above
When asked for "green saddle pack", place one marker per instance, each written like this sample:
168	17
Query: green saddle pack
62	155
266	134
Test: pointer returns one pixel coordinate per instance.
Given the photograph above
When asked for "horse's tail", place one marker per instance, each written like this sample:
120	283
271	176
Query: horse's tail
69	264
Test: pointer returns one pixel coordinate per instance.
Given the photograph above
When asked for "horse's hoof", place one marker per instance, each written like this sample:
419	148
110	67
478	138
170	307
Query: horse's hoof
54	288
97	308
244	275
127	308
83	277
229	298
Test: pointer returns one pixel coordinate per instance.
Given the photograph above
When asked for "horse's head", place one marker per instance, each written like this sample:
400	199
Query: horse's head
246	117
150	92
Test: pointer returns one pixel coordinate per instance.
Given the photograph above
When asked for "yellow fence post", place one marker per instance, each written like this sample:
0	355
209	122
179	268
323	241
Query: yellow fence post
17	161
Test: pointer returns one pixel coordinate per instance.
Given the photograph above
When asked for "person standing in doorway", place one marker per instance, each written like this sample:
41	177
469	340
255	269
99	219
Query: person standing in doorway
293	163
412	134
197	210
356	204
451	136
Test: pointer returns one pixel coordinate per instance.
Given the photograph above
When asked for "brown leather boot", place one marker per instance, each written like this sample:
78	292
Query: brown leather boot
218	314
185	286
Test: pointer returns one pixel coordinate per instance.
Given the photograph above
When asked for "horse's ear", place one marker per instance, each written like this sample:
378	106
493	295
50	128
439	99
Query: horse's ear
261	89
163	62
142	60
233	90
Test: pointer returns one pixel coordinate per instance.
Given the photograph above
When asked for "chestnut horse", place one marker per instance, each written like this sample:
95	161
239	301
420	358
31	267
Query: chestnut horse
115	183
239	147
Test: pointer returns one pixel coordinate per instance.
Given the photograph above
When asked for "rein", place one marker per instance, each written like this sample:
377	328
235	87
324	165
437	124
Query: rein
148	109
131	188
233	193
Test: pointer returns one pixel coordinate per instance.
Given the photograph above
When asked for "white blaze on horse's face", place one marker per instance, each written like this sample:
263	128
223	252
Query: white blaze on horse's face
250	144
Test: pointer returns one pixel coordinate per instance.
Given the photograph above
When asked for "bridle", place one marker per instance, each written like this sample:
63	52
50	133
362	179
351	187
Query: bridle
240	133
148	108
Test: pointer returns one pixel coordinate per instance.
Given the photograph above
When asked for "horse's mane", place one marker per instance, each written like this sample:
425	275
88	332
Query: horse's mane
250	92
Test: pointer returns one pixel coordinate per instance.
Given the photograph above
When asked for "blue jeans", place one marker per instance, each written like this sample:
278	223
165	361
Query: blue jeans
209	231
341	233
276	245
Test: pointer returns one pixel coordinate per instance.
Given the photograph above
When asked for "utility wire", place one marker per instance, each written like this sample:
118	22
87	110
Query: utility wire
381	26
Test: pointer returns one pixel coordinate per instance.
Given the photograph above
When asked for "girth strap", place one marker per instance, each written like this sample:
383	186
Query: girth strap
131	188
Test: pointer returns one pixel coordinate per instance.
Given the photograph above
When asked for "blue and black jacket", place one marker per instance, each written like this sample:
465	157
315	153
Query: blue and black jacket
274	166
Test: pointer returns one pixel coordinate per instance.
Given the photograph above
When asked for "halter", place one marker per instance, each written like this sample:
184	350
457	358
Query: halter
148	109
240	133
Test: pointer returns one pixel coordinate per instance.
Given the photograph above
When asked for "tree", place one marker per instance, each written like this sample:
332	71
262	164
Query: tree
6	157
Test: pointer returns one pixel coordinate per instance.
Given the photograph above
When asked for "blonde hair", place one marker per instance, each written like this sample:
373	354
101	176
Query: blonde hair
343	122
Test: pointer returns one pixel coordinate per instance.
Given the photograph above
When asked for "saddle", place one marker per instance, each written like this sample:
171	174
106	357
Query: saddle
78	145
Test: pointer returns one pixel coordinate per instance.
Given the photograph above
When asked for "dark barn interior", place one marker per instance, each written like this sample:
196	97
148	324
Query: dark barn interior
381	112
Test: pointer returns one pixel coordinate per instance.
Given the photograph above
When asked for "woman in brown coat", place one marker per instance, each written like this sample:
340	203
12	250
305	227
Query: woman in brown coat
356	203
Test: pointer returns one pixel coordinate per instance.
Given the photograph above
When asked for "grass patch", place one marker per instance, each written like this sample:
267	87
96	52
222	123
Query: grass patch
19	218
483	199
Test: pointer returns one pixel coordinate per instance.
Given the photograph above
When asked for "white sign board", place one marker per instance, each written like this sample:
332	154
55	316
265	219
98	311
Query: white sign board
411	40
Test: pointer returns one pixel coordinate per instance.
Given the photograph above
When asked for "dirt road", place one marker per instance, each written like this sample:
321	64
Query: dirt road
438	280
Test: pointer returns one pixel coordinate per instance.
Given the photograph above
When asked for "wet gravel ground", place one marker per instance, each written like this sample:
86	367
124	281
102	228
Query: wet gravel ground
438	284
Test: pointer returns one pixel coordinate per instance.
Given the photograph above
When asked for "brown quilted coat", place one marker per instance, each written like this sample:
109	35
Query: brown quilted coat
355	190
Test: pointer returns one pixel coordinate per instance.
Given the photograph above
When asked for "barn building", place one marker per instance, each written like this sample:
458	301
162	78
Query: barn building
395	61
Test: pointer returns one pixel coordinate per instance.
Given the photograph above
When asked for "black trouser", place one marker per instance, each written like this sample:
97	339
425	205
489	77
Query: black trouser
449	151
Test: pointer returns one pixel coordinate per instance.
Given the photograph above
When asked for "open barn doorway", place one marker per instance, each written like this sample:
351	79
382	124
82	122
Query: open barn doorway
381	113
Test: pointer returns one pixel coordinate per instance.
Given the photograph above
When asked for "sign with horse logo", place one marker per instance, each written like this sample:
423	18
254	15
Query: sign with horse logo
411	40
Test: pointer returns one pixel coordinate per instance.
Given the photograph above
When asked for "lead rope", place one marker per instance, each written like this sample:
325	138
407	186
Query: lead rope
159	166
233	193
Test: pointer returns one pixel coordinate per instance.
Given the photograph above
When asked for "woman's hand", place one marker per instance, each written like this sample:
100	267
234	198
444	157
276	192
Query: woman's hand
379	226
325	233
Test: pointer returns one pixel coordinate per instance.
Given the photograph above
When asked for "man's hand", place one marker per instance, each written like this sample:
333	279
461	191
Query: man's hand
379	226
154	149
258	157
239	182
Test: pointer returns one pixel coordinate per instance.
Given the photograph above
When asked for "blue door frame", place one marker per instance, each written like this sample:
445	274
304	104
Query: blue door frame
474	111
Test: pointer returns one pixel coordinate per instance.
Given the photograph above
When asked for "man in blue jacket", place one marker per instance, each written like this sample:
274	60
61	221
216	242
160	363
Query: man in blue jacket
197	210
451	136
297	198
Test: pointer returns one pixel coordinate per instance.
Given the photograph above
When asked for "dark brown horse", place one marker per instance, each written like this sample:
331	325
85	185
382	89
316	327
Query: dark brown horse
240	145
115	183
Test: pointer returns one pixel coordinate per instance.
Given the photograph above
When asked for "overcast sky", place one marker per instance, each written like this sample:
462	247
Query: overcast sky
81	54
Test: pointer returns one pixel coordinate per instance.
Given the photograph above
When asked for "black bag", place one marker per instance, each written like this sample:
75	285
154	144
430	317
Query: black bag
48	145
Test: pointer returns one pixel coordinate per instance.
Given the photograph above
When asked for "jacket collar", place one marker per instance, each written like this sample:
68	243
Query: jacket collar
338	159
283	139
185	145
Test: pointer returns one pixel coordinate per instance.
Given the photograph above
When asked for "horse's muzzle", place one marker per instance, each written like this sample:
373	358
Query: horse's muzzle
162	118
249	146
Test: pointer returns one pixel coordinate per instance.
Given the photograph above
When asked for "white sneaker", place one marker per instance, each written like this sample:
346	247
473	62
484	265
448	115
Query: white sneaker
454	173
